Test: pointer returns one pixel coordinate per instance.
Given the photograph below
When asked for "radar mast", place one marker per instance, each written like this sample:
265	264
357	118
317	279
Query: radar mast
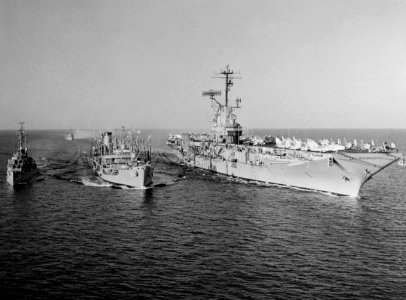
22	140
225	127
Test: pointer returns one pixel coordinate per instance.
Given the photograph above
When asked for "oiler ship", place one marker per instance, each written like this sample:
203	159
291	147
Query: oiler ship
327	167
124	162
21	168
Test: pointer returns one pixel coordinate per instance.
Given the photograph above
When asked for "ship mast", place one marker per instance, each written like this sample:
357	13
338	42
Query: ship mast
225	126
122	137
22	142
229	83
228	75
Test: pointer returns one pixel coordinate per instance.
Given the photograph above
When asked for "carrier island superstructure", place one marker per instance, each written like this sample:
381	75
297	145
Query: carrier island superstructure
328	167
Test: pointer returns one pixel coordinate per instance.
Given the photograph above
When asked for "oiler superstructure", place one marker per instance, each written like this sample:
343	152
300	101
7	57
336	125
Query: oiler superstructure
125	162
21	168
332	168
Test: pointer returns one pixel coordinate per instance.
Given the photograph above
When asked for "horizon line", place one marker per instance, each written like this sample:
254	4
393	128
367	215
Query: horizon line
252	128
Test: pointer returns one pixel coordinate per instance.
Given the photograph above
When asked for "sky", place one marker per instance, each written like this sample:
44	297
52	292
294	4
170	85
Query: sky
144	64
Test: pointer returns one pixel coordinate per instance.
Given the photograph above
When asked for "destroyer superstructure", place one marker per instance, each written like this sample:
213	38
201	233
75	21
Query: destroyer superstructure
70	136
328	167
21	168
125	162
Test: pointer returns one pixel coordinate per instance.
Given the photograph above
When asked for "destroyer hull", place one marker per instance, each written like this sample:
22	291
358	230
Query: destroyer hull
341	174
136	177
15	178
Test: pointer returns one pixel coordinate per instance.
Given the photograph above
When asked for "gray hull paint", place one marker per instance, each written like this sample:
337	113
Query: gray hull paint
137	177
16	178
343	175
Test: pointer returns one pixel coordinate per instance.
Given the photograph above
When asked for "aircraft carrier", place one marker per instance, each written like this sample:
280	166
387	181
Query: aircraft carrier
330	167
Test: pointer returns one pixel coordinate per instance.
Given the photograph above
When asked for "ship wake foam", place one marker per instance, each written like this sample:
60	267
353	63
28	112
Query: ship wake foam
93	181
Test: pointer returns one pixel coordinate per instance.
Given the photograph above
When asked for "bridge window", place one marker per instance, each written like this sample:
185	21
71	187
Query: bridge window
330	161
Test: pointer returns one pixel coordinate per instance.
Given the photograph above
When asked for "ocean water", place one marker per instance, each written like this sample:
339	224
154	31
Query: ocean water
194	234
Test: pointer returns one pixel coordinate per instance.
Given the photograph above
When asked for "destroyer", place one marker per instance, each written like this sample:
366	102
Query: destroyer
21	168
327	167
126	162
70	136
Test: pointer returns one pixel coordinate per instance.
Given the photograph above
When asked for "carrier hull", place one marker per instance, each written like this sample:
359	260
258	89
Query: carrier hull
336	173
